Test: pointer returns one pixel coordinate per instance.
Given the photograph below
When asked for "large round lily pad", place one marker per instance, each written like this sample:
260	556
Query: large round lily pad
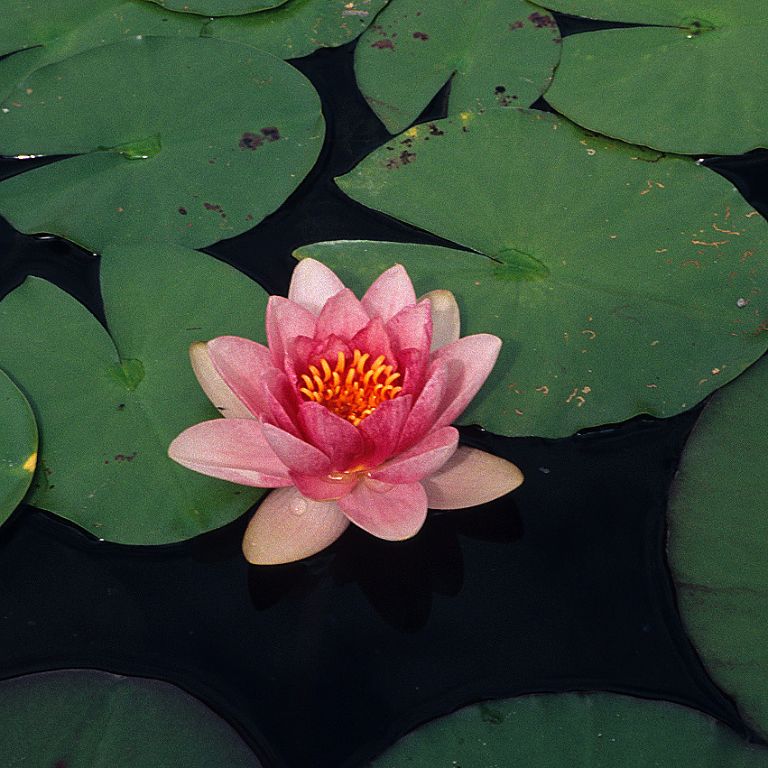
718	528
18	446
621	282
108	403
689	82
47	31
87	718
596	730
496	53
182	140
219	7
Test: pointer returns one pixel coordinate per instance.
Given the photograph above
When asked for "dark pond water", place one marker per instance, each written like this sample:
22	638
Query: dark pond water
321	664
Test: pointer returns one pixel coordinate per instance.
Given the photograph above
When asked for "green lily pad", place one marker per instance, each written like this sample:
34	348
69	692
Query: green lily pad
718	526
46	31
82	718
499	53
18	446
108	403
597	730
700	56
219	7
151	160
621	282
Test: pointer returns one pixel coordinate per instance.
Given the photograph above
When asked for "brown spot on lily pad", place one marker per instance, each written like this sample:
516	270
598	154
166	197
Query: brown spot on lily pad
515	25
183	211
125	456
542	20
420	36
215	208
271	133
383	44
250	140
405	158
434	130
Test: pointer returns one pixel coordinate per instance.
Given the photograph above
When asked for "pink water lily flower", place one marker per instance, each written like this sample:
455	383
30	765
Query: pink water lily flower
347	413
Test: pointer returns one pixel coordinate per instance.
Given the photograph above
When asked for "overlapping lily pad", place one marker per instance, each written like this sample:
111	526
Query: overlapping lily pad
47	31
188	141
718	526
18	446
108	403
688	82
621	282
82	718
219	7
497	53
596	730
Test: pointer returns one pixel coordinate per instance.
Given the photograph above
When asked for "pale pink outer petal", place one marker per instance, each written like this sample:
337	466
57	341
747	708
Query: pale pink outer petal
343	316
222	397
246	368
336	437
296	454
285	322
446	319
287	527
423	460
312	284
471	477
231	449
381	430
389	293
391	512
411	327
469	361
322	488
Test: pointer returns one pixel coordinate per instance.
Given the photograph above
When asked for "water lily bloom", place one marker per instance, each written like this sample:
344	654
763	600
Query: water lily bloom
347	413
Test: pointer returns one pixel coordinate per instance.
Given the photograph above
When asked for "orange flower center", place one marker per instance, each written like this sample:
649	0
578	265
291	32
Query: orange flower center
353	389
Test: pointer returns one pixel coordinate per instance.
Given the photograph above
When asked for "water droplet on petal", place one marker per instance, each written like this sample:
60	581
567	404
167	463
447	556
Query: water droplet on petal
298	506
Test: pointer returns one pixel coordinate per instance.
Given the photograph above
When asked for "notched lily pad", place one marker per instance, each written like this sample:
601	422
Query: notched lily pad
499	53
109	403
219	7
85	717
572	730
700	56
718	526
18	446
150	161
621	281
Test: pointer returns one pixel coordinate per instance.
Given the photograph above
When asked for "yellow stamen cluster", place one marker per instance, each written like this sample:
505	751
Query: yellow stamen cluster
352	389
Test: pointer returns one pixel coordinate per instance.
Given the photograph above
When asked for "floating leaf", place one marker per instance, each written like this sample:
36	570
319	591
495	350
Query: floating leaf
47	31
81	718
621	282
497	53
718	526
686	83
219	7
597	730
18	446
150	159
108	404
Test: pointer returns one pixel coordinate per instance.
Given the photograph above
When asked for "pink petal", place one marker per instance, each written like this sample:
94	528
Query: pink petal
469	361
373	339
412	364
296	454
312	284
424	459
392	512
246	368
389	293
323	488
232	449
381	430
411	327
287	527
336	437
343	315
446	320
308	352
426	408
471	477
285	322
222	397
